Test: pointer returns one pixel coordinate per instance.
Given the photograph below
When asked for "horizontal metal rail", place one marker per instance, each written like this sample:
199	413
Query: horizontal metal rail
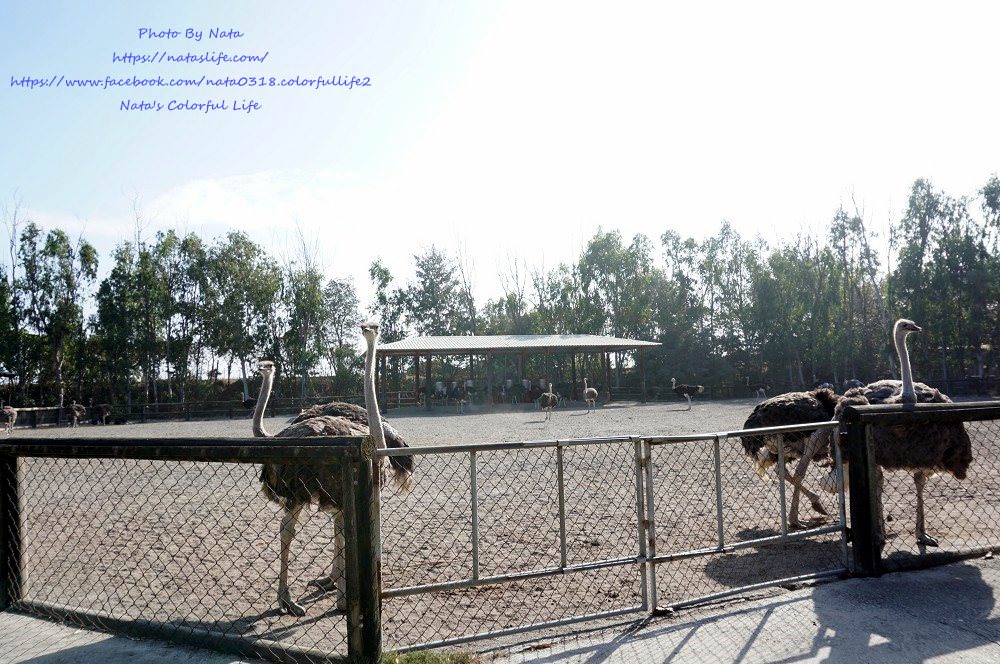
926	412
763	431
491	447
714	597
505	578
188	635
606	615
249	450
736	546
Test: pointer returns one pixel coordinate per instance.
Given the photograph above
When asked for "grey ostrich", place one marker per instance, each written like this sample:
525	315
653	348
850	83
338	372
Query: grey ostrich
589	395
294	485
786	409
75	412
8	416
685	391
548	401
923	449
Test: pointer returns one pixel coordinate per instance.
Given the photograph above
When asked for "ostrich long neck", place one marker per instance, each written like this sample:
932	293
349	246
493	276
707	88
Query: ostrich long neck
908	395
267	380
371	405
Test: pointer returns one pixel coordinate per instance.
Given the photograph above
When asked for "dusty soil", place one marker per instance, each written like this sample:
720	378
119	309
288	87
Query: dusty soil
195	545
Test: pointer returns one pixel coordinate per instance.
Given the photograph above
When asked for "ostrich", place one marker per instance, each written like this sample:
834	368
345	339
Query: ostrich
852	383
786	409
923	449
548	401
76	413
8	416
760	390
685	390
295	485
589	395
100	413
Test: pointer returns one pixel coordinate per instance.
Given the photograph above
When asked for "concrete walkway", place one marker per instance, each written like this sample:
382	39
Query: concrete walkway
944	614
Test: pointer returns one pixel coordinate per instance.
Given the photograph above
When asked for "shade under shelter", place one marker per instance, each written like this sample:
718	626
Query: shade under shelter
512	344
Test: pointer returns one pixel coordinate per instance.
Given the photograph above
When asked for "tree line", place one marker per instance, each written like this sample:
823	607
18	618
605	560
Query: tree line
177	313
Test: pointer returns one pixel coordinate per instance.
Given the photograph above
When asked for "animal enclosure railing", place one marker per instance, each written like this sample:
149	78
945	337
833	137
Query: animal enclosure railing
172	538
502	538
497	539
715	530
962	515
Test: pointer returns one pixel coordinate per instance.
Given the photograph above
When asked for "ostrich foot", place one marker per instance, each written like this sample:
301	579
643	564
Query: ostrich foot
926	540
799	524
324	583
818	507
287	605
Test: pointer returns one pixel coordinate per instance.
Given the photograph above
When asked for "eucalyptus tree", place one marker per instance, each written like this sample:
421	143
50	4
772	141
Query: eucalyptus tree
56	275
241	307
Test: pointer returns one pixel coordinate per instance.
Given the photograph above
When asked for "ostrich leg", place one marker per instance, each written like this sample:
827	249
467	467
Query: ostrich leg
689	400
811	447
919	480
337	572
289	521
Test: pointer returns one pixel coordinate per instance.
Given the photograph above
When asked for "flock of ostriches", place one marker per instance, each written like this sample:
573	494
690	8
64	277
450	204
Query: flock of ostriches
921	449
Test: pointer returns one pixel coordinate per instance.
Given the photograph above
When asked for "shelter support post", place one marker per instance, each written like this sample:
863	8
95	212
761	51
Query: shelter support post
642	373
427	383
572	357
607	373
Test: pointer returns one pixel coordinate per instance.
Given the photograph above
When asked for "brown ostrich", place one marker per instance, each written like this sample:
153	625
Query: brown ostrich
923	449
296	485
75	412
548	400
786	409
8	416
589	395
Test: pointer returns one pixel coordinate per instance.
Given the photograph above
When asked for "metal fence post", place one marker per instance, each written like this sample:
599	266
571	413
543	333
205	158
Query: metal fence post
866	544
369	552
10	533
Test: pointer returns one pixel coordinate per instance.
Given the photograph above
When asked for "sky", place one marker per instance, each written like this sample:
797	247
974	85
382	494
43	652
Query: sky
501	128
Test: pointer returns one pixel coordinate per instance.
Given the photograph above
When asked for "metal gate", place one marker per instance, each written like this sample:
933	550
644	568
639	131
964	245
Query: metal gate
502	538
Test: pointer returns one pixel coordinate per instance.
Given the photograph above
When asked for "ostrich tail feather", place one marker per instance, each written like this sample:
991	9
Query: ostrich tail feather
403	479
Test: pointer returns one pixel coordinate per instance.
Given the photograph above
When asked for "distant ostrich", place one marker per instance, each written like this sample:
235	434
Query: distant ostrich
76	412
852	383
923	449
786	409
294	485
8	416
760	390
249	403
100	413
685	391
548	401
589	395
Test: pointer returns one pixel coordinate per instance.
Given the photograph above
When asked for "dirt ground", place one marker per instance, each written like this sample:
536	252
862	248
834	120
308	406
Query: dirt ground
195	545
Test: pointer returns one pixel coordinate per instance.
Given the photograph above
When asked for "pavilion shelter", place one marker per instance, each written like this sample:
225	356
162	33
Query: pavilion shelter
518	345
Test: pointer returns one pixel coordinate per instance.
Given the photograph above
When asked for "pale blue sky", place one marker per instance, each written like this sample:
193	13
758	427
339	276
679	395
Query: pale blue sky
508	127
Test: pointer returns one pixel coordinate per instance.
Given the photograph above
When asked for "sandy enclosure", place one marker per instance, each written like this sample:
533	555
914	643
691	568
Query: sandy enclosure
195	545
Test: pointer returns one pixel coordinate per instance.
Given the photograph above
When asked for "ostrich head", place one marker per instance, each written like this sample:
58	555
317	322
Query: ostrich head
906	326
369	331
673	383
266	367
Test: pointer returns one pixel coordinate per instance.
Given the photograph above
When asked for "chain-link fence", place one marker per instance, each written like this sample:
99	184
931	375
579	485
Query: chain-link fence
719	529
500	538
904	462
174	539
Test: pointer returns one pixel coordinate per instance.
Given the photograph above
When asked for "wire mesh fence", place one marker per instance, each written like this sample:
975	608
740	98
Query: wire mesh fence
182	550
961	517
719	526
496	539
